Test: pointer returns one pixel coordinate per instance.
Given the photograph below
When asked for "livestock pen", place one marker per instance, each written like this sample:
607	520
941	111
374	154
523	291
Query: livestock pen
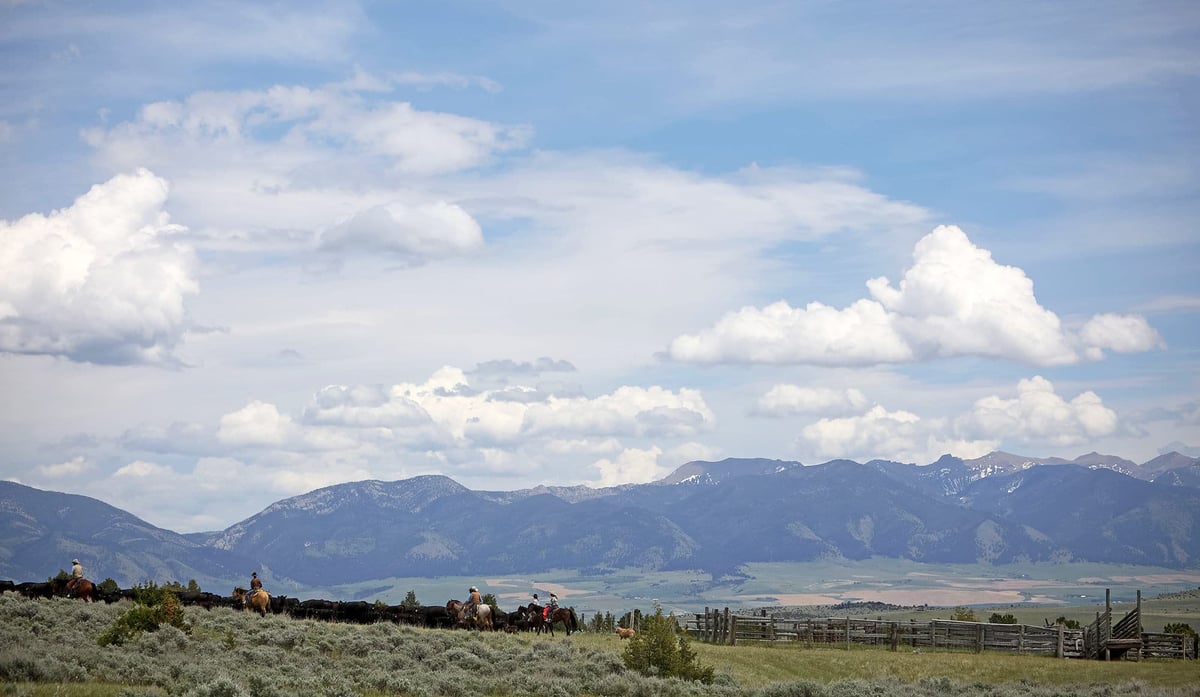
723	627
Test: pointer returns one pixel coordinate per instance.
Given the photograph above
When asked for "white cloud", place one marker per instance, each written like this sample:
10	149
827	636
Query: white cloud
786	400
427	230
954	300
1038	415
101	281
1119	333
637	411
632	466
141	469
585	446
257	424
74	467
297	132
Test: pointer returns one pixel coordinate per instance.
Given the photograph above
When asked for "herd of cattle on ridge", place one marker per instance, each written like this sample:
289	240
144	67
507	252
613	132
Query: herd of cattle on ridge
525	618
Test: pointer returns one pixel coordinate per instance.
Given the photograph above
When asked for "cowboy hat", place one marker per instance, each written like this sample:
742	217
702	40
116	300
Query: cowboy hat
474	589
74	561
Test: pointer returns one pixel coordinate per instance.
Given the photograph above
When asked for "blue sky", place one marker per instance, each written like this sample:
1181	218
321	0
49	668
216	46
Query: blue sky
247	251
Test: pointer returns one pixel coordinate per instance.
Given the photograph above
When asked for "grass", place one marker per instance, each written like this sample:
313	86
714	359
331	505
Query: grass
757	665
289	656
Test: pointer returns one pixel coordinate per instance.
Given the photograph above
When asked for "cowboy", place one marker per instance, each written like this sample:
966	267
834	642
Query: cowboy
255	586
551	606
473	599
76	576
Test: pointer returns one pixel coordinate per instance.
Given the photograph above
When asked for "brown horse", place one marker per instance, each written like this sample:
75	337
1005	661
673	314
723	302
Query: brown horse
81	588
257	600
540	621
482	619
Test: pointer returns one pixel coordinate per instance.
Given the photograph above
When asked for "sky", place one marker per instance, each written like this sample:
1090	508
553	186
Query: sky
248	250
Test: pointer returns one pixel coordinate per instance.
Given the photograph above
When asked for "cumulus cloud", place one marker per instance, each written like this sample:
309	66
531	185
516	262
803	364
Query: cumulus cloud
75	466
423	231
631	466
101	281
257	424
445	413
788	400
1037	414
954	300
1119	333
508	367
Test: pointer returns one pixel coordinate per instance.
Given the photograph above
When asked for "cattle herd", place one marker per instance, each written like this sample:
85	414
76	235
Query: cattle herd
524	618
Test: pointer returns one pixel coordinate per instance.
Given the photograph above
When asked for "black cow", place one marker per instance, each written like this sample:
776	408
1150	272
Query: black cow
283	605
202	599
318	610
435	616
31	589
357	611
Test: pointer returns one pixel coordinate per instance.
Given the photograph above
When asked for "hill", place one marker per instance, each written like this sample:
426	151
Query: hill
711	516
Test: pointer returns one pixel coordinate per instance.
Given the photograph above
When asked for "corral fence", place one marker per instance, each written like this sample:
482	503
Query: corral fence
723	627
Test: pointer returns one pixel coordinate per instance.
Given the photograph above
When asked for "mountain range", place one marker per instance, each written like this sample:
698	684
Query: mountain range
712	516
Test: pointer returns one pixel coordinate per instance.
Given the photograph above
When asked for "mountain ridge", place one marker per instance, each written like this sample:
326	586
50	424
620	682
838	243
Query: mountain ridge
714	516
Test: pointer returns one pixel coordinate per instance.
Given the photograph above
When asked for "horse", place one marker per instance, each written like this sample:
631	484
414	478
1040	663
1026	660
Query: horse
482	619
626	633
539	621
567	617
81	588
257	600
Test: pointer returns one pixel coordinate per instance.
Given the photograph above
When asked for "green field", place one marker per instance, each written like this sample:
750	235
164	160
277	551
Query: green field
49	647
1036	589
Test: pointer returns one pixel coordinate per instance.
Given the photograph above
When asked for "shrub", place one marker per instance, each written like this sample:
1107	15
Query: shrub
1069	624
963	614
145	616
1179	628
656	650
1006	618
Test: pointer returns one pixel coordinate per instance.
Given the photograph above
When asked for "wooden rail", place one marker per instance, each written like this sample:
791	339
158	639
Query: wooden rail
721	627
1099	640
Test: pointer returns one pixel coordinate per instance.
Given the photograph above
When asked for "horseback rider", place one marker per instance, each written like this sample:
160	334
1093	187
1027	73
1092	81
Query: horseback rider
551	606
76	576
473	599
255	584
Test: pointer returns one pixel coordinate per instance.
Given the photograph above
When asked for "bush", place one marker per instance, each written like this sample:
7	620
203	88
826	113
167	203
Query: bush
963	614
153	607
656	650
1069	624
1179	628
1007	618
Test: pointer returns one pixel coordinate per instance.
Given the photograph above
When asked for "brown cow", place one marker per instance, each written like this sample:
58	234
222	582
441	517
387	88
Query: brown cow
626	633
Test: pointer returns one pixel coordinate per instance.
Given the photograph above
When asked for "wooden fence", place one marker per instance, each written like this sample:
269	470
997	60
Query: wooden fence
719	626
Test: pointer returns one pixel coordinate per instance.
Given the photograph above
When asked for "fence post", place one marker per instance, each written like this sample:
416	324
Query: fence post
894	628
1021	639
1139	624
979	638
731	623
847	632
1059	653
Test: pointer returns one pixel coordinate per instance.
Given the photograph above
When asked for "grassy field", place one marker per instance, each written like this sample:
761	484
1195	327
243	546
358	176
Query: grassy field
48	647
1049	589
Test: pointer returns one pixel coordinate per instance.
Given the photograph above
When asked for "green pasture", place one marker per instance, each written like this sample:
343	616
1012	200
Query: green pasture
48	647
1047	589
